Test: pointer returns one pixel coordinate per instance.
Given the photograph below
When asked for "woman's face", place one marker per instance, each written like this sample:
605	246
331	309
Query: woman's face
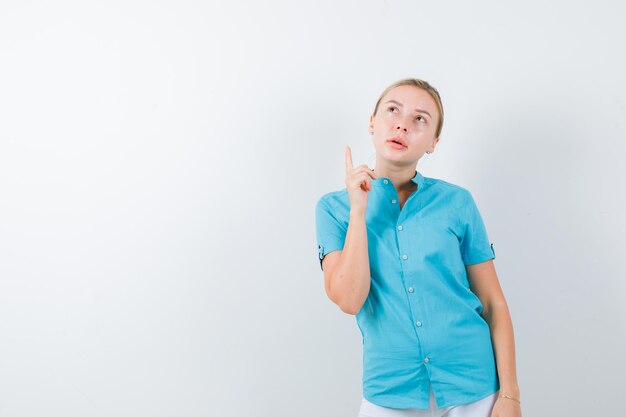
407	114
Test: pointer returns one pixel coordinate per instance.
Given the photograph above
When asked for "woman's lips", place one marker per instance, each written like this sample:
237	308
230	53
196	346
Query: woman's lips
395	145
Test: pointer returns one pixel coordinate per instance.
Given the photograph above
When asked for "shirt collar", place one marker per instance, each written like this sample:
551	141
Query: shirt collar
418	179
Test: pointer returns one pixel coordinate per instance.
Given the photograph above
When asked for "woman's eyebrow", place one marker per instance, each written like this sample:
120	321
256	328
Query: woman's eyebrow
417	110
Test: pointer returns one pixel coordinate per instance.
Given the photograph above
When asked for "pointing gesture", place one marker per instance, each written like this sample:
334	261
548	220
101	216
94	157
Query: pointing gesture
358	182
348	160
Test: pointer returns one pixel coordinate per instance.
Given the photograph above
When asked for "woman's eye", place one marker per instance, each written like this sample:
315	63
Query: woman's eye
421	119
391	108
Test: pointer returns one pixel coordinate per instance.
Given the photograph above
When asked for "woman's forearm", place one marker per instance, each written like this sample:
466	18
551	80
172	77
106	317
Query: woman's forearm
503	340
350	281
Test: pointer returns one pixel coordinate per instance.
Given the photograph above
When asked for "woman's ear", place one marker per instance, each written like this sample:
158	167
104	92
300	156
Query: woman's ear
432	146
371	128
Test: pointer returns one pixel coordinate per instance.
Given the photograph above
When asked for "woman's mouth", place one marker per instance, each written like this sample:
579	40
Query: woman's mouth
396	144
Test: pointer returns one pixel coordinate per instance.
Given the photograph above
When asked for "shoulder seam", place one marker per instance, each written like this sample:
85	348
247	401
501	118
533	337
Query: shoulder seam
330	196
447	184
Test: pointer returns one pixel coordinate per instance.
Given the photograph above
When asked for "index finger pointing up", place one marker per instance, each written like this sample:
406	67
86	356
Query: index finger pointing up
348	159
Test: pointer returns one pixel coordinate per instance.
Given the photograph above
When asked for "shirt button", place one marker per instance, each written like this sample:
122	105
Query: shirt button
393	201
418	323
386	181
400	227
405	257
411	289
426	360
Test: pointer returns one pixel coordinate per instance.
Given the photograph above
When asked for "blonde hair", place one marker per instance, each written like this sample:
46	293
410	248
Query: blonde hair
424	86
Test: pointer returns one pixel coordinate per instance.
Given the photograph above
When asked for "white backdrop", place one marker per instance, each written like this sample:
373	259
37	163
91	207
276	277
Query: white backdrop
160	164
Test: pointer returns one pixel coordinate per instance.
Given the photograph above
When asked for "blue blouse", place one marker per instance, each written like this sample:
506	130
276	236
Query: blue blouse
420	323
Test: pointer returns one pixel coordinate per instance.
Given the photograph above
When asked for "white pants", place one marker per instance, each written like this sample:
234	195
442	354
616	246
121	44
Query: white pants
480	408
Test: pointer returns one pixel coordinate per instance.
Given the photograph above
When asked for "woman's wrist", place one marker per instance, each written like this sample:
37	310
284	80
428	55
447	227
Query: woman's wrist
509	392
357	213
508	397
509	389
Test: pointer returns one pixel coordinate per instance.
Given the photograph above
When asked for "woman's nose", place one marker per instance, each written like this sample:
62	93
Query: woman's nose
400	127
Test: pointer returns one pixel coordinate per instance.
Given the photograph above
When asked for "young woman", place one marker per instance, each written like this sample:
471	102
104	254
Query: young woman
410	257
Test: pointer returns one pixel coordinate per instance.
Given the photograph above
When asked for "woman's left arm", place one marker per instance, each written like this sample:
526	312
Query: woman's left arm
484	283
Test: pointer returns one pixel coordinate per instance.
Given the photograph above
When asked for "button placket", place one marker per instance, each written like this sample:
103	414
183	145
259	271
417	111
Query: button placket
402	245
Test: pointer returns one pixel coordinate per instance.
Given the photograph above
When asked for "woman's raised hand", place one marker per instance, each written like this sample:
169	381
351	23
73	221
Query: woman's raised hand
358	182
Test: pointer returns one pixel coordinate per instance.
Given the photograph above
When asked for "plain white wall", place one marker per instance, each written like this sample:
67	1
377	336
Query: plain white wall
160	163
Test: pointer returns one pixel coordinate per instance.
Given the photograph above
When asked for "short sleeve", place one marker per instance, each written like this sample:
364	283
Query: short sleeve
475	246
330	232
